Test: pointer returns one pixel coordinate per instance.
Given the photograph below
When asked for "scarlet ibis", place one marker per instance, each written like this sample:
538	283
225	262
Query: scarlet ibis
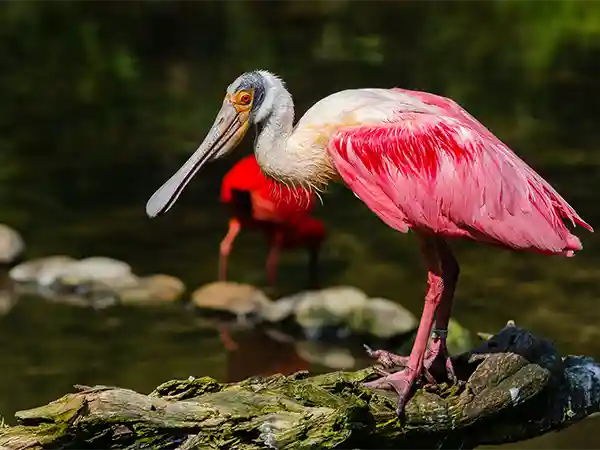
419	161
281	213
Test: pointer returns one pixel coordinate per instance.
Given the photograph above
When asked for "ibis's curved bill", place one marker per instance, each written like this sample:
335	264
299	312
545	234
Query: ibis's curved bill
228	130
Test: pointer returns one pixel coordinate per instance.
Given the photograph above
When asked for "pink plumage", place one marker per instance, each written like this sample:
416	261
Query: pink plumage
432	167
449	175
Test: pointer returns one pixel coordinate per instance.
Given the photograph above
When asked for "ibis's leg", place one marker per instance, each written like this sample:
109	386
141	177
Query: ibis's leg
225	247
404	380
273	257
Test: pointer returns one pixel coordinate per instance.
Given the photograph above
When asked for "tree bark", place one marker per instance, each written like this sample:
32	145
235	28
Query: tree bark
516	386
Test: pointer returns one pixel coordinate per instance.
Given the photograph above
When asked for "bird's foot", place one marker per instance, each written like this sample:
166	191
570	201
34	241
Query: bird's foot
437	360
389	363
398	373
402	382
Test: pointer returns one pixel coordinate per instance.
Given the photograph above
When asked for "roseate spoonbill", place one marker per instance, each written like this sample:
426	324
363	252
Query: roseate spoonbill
282	213
417	160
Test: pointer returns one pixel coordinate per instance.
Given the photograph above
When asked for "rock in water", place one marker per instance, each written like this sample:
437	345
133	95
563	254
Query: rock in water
11	245
331	307
282	309
347	309
111	272
384	319
240	300
39	271
96	281
64	270
153	289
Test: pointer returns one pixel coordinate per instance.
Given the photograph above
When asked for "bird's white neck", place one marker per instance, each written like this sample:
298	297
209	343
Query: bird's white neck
276	118
294	162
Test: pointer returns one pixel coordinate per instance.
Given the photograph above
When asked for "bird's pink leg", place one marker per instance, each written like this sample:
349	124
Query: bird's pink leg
450	272
273	257
225	247
404	380
437	351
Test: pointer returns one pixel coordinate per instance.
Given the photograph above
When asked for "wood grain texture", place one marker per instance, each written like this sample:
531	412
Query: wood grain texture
516	386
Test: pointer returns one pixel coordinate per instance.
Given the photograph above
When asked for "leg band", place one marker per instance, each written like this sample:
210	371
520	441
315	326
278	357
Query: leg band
442	334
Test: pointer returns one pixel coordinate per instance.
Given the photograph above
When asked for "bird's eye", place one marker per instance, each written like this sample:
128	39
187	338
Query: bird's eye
245	99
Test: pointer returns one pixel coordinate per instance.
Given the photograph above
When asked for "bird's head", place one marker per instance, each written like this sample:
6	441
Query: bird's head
248	100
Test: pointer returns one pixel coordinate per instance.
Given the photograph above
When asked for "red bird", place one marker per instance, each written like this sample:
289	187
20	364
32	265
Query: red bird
280	213
419	161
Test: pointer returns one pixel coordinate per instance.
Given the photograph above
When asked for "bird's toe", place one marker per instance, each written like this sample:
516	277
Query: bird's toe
450	372
387	359
402	382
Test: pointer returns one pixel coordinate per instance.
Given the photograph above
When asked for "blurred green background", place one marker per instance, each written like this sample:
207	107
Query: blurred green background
101	102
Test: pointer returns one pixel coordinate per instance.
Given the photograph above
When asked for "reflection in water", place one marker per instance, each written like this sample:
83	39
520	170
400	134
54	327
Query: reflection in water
257	354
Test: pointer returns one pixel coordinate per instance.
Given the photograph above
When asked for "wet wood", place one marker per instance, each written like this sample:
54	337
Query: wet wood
516	386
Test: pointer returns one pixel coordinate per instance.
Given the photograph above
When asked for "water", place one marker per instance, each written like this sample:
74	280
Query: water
97	112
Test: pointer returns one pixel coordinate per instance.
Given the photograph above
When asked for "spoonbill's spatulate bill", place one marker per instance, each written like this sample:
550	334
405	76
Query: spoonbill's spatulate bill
417	160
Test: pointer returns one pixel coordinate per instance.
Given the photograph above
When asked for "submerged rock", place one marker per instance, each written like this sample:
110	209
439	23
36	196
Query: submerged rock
98	294
240	300
86	294
11	244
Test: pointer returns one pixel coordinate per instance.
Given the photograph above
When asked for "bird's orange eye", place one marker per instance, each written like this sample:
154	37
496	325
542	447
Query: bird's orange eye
245	99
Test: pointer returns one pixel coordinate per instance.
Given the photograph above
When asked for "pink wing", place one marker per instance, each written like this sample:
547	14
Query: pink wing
451	176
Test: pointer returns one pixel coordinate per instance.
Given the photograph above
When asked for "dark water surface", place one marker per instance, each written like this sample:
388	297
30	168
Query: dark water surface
103	101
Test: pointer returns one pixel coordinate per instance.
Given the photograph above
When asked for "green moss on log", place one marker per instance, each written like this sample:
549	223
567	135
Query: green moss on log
514	386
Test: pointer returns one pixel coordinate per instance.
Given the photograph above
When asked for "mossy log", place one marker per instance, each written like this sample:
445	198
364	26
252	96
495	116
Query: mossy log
516	386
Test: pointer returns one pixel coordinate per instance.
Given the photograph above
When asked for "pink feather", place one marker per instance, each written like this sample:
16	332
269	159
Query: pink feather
449	175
